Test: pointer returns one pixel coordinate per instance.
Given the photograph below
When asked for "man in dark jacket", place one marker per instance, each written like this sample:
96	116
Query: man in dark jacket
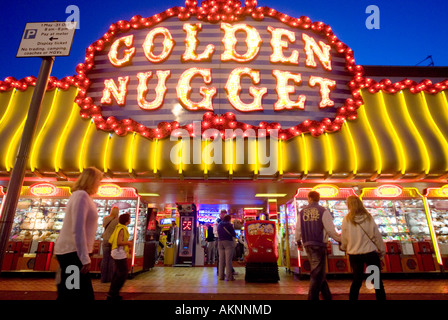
314	224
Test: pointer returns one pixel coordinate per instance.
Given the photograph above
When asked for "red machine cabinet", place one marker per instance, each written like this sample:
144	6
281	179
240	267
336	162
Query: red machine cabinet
43	255
11	256
424	253
392	257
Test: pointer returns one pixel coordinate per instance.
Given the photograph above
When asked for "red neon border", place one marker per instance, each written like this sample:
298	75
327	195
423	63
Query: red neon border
214	11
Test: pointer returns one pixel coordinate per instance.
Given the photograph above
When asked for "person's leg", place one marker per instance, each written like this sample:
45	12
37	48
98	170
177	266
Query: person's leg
119	278
73	284
372	258
221	260
212	252
317	274
357	265
107	264
229	251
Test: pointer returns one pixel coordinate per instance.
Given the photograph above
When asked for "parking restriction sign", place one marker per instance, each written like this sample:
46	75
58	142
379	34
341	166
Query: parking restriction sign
45	39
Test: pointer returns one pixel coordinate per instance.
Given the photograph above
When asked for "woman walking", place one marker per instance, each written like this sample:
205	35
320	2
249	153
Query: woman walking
75	242
362	241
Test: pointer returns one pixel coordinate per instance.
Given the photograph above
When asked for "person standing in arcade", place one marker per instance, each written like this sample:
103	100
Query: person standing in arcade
74	245
222	213
362	241
120	250
226	248
314	224
107	263
211	248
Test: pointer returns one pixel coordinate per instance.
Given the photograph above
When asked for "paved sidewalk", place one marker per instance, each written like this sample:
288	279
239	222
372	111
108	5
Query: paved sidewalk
201	283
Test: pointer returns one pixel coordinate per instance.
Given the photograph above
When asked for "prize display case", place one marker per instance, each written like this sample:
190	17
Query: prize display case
334	199
128	201
37	223
40	215
405	226
437	205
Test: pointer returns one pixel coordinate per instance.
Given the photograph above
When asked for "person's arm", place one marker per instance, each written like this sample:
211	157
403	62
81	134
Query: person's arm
344	237
120	239
329	227
378	239
298	235
80	209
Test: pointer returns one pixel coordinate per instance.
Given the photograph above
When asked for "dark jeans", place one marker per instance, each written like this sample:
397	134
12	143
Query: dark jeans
119	278
107	263
318	282
357	263
73	285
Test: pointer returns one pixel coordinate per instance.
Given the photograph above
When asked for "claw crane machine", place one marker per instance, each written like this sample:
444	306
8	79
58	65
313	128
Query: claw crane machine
334	199
405	225
437	206
127	200
37	223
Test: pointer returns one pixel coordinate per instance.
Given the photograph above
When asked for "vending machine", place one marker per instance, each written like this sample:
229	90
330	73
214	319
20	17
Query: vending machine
334	199
293	262
437	206
404	224
128	201
261	261
186	246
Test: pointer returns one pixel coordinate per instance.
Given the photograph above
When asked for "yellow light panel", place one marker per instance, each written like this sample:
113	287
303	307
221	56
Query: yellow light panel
352	146
396	137
74	114
371	134
426	161
37	143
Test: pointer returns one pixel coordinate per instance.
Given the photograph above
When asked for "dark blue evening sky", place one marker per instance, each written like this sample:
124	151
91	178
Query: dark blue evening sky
409	31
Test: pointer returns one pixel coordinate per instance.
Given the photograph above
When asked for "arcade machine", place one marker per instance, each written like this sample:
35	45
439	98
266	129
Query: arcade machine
127	200
38	220
284	251
334	199
402	220
261	261
437	206
186	240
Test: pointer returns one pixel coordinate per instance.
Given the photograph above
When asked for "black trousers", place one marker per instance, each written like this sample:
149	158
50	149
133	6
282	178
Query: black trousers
119	278
71	283
358	262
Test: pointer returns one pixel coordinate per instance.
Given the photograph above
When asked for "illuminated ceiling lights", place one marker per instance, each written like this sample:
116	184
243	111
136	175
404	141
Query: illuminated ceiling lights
270	195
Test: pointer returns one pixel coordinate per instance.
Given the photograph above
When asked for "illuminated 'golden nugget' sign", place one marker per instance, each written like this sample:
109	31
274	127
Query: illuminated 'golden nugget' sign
268	70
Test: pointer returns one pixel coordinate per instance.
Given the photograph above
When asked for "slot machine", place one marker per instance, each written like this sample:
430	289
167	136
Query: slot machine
187	232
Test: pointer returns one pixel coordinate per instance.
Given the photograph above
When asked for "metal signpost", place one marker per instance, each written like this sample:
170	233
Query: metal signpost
45	40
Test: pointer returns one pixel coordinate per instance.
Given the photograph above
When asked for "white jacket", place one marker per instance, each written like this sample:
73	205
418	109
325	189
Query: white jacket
356	241
79	227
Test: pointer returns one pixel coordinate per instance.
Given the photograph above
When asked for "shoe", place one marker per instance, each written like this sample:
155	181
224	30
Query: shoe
221	279
231	279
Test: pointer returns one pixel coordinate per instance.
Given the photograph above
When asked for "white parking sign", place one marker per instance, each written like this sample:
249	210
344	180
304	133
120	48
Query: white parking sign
44	39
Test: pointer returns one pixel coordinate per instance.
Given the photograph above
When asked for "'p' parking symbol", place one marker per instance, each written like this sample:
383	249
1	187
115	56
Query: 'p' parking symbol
30	34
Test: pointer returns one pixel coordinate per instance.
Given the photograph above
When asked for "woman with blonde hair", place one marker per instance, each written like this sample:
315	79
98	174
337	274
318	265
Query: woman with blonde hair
75	242
362	241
